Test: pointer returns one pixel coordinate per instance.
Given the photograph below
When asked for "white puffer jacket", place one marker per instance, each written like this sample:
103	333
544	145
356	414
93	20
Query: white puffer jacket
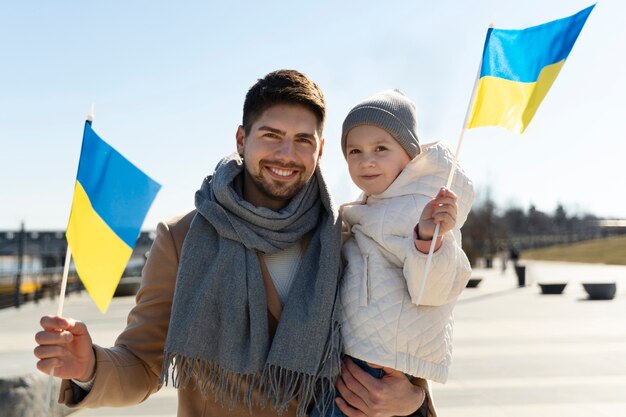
382	321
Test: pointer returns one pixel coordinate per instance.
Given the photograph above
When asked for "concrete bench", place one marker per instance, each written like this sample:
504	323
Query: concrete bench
473	282
552	287
600	290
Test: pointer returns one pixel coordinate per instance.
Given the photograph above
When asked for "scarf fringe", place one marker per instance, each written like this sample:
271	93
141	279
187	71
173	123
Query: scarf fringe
324	397
274	385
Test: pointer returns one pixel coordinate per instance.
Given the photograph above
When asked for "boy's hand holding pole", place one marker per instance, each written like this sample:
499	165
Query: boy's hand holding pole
440	210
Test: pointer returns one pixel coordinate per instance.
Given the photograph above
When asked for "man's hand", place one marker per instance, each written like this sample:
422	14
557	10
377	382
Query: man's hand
364	395
440	210
65	346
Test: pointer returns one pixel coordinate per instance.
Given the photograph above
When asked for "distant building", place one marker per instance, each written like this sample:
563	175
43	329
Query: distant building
612	227
46	249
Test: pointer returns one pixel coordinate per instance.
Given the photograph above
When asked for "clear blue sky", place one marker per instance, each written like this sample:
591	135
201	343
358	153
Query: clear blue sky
168	81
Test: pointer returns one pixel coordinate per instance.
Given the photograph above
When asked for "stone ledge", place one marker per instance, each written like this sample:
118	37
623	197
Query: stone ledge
24	396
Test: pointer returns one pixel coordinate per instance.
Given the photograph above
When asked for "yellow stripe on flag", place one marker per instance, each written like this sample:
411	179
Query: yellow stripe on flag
99	255
510	104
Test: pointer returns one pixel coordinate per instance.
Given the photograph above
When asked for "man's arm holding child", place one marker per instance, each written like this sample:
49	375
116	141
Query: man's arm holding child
393	395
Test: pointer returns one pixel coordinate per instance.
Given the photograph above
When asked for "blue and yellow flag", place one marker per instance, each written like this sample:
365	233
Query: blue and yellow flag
111	200
518	69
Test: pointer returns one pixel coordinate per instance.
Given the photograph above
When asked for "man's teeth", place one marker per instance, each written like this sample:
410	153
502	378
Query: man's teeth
281	172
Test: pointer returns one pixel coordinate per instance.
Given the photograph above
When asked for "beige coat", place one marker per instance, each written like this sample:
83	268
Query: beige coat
128	373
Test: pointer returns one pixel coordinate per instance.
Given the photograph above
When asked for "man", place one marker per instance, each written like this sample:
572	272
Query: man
237	302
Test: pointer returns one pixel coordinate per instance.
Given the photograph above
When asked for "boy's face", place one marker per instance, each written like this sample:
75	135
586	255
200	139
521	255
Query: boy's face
280	154
374	158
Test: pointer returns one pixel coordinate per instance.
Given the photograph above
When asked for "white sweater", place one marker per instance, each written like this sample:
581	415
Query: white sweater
382	321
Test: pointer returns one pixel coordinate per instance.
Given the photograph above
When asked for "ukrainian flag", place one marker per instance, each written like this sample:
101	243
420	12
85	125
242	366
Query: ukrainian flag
518	69
111	200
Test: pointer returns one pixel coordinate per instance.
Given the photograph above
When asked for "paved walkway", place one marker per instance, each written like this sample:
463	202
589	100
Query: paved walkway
520	353
517	352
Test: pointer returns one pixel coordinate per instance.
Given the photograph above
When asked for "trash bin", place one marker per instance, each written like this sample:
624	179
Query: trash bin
520	270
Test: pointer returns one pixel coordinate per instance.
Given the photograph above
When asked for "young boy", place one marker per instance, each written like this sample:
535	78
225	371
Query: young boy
384	324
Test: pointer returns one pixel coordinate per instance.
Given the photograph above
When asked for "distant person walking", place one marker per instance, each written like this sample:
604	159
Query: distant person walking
504	258
514	255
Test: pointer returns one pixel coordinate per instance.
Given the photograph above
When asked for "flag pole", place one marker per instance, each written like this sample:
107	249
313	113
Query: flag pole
66	268
455	163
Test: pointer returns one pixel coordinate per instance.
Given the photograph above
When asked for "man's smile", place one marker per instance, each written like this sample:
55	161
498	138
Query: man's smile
281	173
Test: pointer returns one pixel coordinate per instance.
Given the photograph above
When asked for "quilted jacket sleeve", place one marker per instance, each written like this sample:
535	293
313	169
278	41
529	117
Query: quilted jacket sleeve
448	274
129	372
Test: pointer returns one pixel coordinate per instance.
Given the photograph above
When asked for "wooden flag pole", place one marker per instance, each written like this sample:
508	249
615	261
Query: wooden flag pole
455	163
66	268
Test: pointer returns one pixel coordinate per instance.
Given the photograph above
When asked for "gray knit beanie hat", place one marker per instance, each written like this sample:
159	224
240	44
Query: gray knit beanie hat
390	110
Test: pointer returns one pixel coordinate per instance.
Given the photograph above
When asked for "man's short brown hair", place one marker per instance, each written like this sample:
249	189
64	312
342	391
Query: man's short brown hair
283	87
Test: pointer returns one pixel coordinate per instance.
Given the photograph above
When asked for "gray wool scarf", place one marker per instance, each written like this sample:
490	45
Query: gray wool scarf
218	331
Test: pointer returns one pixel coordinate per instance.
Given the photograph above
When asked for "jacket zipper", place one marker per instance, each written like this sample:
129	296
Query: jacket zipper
364	292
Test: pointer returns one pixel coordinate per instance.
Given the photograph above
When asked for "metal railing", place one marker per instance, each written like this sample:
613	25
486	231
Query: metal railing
20	286
17	289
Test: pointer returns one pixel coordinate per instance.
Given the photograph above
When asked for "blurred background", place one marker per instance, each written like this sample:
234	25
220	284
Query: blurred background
168	82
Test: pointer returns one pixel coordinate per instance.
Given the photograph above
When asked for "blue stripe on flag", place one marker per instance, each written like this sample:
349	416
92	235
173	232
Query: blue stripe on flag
119	192
520	55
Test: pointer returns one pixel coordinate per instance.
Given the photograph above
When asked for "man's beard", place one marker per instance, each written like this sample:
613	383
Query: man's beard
276	189
276	192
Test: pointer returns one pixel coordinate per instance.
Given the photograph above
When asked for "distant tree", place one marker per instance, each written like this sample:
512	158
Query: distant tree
488	231
515	221
538	222
483	229
560	219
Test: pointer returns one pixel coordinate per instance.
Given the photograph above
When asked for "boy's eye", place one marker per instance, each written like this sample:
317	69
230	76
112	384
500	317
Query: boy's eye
353	151
380	148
